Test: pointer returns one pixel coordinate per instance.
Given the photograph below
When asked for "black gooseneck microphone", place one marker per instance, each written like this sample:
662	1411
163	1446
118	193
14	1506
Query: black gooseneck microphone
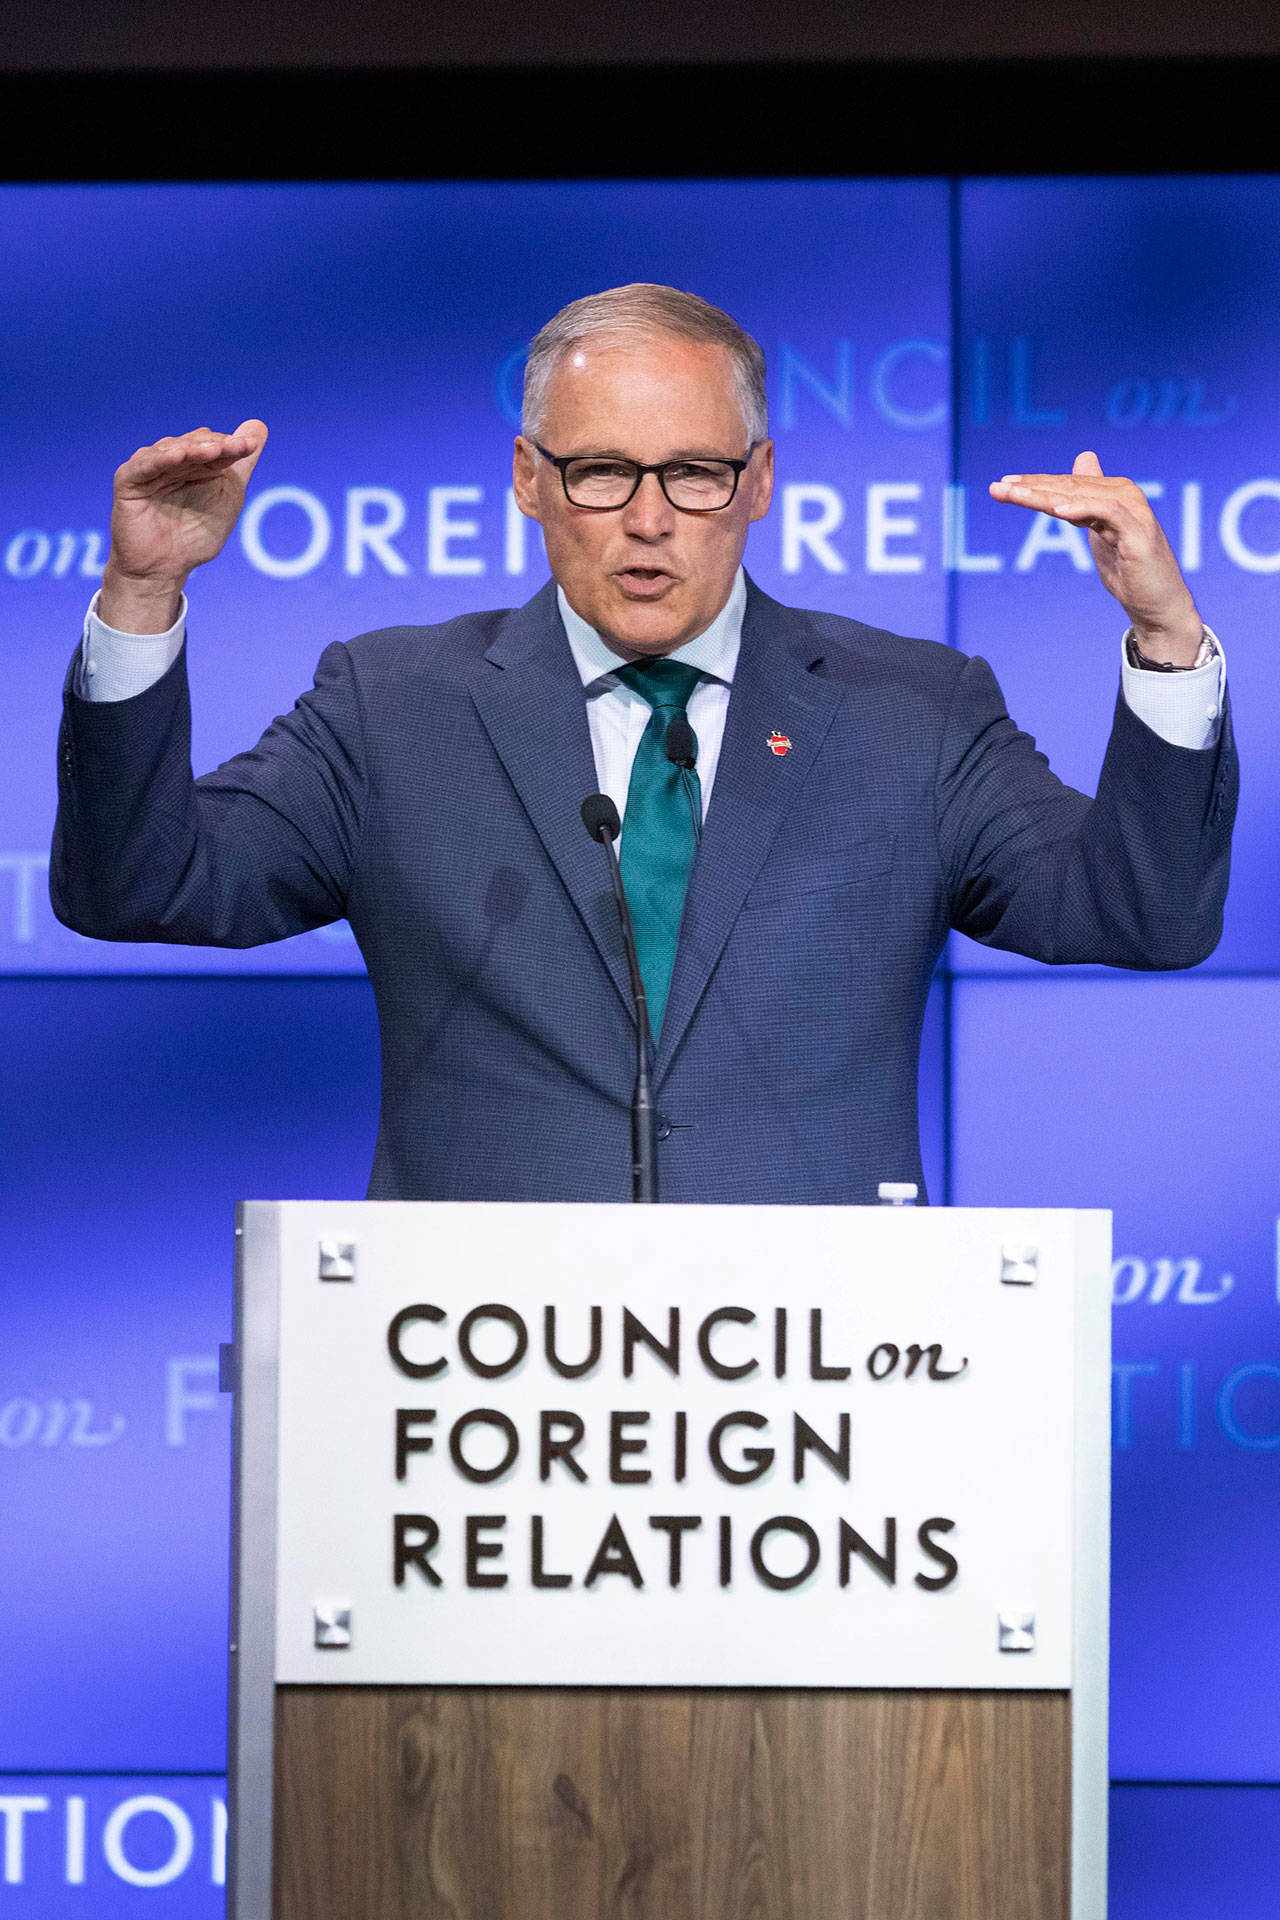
600	818
681	748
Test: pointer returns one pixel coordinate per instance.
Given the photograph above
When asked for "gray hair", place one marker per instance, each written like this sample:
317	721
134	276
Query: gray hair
644	308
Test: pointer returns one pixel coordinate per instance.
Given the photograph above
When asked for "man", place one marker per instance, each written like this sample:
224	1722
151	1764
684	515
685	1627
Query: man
854	796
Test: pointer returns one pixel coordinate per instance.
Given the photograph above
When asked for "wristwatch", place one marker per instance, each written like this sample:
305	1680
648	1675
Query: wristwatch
1137	658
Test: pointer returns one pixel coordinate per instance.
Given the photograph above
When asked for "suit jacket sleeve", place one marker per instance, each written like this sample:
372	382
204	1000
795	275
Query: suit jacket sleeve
1134	878
262	848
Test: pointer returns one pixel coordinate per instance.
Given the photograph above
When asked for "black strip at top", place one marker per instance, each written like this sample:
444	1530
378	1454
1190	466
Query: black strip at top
743	120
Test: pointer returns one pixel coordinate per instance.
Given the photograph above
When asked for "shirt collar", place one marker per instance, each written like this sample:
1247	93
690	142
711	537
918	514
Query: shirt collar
714	651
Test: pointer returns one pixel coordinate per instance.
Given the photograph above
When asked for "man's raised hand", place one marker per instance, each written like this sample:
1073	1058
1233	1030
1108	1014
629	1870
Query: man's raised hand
1133	558
175	504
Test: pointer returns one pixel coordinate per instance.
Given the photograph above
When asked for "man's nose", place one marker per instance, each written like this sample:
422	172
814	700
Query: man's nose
648	514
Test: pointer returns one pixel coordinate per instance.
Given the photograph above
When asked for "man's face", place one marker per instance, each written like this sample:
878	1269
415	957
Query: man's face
646	576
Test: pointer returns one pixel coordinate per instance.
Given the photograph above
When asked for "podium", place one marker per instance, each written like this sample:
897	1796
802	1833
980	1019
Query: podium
700	1563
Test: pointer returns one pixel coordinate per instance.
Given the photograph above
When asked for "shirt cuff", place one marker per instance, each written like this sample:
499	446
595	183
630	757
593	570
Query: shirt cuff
1185	709
116	666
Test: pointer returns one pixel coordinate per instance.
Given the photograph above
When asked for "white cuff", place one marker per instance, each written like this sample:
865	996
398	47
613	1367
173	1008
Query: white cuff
115	666
1183	708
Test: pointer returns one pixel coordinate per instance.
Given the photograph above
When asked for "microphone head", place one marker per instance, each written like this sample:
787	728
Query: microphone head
600	817
681	745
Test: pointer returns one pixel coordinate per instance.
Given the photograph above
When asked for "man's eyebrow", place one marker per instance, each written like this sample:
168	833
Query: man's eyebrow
680	453
700	453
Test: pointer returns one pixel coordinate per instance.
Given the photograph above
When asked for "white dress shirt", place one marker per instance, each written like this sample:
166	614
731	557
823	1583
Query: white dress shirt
1185	709
618	717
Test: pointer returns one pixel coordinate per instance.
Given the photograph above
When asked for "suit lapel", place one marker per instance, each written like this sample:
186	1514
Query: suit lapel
774	690
530	700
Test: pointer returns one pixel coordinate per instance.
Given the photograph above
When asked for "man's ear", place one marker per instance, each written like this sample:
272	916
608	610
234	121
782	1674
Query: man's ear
762	480
524	477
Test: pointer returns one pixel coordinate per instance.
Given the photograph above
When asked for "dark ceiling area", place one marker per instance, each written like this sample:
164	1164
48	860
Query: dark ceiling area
66	35
323	89
754	119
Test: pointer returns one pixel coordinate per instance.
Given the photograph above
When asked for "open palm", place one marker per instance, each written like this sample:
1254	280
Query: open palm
174	505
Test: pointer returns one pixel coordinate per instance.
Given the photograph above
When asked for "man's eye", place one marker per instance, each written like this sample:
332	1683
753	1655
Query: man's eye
600	470
700	478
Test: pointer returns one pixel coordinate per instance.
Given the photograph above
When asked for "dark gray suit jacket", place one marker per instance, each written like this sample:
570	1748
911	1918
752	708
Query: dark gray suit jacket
428	788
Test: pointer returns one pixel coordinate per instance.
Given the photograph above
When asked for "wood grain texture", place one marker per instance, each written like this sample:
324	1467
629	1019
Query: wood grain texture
478	1803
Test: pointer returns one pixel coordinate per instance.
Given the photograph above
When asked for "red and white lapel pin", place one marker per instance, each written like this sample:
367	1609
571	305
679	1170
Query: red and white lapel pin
779	743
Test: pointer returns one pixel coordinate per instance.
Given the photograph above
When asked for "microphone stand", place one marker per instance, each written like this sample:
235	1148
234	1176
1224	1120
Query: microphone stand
600	818
681	749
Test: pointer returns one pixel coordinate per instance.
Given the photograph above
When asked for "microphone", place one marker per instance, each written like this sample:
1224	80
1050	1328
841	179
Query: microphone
600	818
681	749
681	745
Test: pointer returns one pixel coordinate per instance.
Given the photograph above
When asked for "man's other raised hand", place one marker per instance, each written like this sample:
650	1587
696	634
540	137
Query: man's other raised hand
1134	560
174	505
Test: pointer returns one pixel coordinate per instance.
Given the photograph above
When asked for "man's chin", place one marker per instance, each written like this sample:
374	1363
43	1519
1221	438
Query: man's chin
650	625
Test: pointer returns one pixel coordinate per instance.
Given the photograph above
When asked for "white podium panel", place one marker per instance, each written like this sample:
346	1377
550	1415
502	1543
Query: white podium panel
819	1446
517	1445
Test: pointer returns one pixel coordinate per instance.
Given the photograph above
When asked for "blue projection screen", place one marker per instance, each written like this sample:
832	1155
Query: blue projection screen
1146	1095
1135	317
923	337
379	331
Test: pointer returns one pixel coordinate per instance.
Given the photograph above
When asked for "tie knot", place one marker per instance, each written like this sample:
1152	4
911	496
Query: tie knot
663	683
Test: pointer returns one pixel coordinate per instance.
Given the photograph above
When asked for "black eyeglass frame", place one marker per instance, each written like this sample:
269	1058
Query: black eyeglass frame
562	462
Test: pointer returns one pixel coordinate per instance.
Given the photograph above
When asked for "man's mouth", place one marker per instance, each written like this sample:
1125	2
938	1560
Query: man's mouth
644	583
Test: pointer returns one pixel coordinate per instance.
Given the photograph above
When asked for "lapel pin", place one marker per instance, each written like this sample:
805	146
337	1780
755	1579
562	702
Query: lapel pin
779	744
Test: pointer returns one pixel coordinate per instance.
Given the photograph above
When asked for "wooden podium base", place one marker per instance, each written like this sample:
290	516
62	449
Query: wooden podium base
495	1803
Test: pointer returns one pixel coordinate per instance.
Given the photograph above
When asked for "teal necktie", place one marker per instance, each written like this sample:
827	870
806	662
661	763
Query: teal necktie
659	839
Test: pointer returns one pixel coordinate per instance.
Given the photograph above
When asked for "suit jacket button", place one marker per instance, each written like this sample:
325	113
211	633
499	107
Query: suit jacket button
662	1126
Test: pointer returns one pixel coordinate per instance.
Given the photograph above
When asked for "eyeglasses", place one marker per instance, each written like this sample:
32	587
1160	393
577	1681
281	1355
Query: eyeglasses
602	483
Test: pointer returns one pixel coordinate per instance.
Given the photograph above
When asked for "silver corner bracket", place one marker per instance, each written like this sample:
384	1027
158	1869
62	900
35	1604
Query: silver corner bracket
1019	1266
1017	1632
337	1260
332	1623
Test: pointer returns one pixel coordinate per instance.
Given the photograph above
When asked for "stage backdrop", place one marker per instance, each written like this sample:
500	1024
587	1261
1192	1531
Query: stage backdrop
923	338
